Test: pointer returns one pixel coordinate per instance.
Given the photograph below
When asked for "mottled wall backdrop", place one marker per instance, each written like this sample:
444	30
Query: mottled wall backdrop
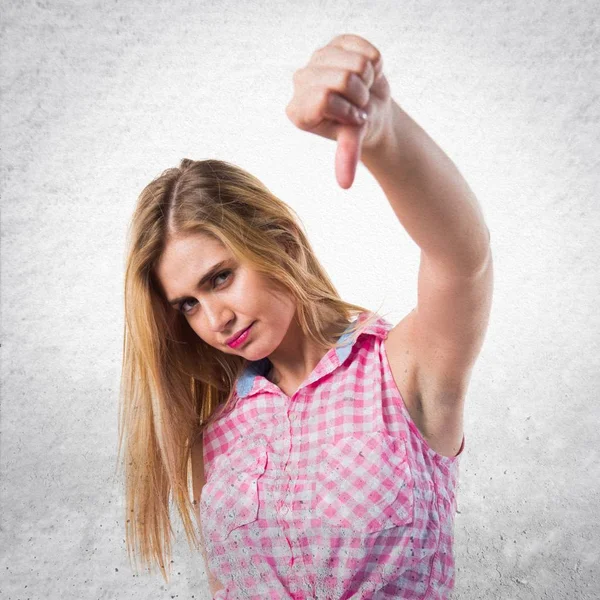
99	97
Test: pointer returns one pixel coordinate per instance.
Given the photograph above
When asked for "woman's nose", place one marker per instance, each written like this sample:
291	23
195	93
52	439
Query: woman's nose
218	317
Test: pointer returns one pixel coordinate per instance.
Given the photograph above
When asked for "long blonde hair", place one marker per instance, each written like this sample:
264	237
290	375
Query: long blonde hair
173	384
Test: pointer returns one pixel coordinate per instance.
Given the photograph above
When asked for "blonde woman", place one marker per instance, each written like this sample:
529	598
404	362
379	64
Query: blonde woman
310	446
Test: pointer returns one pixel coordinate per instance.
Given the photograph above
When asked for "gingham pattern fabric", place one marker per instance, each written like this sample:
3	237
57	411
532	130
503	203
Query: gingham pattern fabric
331	494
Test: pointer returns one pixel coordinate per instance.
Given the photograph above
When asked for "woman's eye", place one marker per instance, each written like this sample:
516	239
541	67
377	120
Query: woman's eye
181	307
217	276
222	273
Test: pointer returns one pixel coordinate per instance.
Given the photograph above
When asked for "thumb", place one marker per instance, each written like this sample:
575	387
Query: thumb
349	142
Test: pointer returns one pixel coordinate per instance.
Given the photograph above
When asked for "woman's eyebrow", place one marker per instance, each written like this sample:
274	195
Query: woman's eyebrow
202	281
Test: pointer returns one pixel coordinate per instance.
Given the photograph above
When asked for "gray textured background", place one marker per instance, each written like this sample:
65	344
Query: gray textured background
98	98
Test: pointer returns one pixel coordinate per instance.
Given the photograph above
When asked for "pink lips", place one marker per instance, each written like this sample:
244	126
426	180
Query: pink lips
241	338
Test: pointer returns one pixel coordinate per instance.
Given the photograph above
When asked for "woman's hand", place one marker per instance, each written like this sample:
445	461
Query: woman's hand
339	82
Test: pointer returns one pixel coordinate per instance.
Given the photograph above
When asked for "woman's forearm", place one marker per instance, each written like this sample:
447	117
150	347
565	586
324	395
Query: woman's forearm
430	197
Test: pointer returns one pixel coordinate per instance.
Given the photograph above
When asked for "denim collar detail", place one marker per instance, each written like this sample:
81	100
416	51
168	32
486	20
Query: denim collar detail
260	367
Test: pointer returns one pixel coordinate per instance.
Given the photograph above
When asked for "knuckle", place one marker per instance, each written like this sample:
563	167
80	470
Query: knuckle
363	63
346	37
301	123
317	55
346	79
372	53
324	101
310	117
294	116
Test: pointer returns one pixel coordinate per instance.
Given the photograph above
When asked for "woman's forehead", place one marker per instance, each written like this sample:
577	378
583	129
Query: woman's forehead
191	255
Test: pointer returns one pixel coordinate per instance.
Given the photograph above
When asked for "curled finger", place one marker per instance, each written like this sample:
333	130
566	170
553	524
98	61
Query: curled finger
340	110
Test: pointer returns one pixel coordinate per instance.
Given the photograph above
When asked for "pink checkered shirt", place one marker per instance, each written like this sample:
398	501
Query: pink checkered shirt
332	494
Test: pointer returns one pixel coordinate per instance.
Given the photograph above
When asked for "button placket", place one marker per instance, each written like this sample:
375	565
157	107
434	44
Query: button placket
286	503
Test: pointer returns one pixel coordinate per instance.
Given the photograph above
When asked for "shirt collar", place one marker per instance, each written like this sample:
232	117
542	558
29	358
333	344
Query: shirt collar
252	379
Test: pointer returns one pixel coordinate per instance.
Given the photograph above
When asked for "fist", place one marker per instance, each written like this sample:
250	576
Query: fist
341	81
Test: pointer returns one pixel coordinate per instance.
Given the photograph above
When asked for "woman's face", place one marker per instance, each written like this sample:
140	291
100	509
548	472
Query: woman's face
218	302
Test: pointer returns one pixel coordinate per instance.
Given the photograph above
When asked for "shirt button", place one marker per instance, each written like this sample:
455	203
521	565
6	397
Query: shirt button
292	417
284	509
